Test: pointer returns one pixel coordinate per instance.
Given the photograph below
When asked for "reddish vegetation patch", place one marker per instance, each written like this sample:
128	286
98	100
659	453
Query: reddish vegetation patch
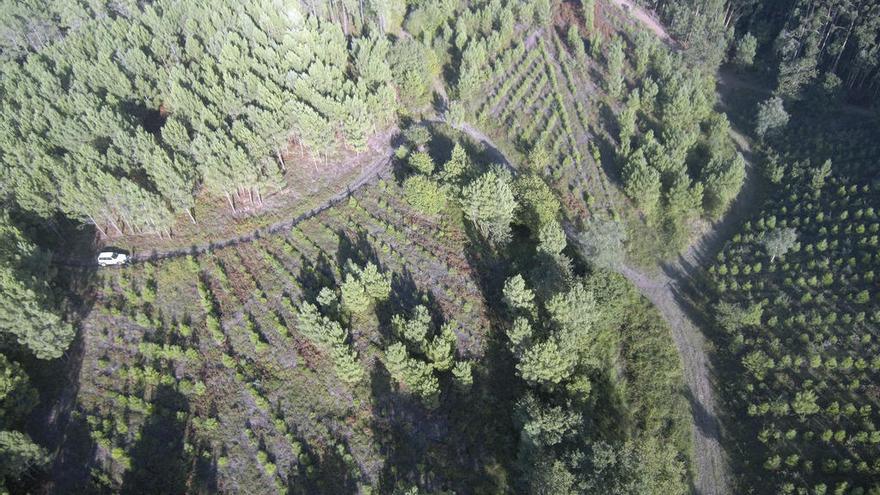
571	12
576	206
307	352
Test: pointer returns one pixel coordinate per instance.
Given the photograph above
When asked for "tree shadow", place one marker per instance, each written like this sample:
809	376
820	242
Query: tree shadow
358	250
440	147
327	472
490	267
158	461
438	103
400	451
315	275
464	443
739	94
449	449
608	152
706	422
406	295
52	423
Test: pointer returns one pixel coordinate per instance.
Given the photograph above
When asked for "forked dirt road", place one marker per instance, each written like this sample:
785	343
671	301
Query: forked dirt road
668	292
645	17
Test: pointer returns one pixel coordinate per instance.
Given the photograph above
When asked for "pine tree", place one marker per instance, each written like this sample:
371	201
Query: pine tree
346	365
329	336
551	239
819	174
517	296
758	364
722	180
488	202
457	166
27	311
771	116
520	335
576	43
798	65
363	287
17	397
424	194
542	425
463	374
18	454
644	46
804	403
546	363
778	241
642	183
602	243
746	46
683	199
320	329
422	163
472	73
589	10
371	60
538	205
614	83
441	350
626	123
414	330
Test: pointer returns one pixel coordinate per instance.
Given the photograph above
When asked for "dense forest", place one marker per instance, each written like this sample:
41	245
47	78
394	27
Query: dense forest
832	44
119	114
404	246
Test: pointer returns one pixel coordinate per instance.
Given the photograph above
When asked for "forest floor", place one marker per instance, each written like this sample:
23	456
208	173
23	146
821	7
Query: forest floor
367	175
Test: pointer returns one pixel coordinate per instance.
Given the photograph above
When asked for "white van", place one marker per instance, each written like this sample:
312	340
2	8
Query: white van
109	258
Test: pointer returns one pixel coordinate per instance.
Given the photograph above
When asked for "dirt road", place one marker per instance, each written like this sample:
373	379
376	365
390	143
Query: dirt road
671	292
668	292
370	172
645	17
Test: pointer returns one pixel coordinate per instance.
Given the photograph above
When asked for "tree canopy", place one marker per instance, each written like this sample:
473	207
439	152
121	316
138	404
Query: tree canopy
124	119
